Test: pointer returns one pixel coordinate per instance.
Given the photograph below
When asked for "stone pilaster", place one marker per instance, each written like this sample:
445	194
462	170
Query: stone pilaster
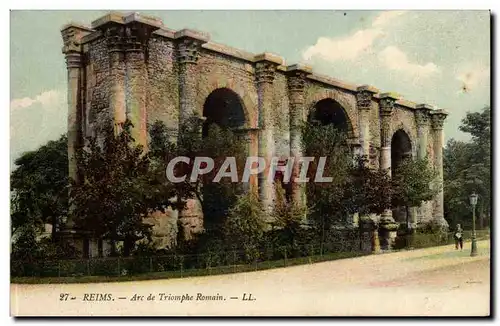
114	34
364	99
296	82
265	69
422	119
437	119
136	38
387	102
188	50
127	38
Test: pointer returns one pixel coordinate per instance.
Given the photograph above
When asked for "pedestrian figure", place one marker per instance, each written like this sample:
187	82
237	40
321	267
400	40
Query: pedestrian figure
459	241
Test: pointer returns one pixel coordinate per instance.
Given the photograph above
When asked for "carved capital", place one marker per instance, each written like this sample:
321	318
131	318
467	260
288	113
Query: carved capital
71	44
364	100
189	50
422	118
264	72
135	38
422	114
296	81
72	35
386	106
115	37
387	102
437	119
364	97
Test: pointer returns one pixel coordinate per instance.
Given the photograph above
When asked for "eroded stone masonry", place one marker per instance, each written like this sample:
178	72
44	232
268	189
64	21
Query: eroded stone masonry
130	65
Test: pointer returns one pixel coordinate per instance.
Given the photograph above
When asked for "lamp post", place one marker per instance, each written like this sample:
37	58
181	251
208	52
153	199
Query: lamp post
473	202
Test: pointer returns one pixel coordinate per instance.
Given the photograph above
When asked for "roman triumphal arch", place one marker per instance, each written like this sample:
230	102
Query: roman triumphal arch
133	66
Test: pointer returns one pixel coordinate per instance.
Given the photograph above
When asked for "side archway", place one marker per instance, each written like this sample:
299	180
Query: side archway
224	108
401	149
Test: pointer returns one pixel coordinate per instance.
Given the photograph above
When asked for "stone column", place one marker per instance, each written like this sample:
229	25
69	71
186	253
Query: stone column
422	119
364	99
72	50
437	118
265	69
387	101
296	83
114	34
188	51
136	37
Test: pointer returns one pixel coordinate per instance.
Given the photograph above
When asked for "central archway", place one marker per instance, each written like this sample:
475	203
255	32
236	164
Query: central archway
335	146
328	111
222	108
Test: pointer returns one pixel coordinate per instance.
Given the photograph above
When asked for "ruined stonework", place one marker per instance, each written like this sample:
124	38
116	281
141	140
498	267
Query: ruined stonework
133	66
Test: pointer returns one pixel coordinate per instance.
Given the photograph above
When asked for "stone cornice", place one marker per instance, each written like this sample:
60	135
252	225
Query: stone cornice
332	82
160	30
72	35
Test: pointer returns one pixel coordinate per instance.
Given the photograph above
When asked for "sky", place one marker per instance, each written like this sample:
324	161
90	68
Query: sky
440	58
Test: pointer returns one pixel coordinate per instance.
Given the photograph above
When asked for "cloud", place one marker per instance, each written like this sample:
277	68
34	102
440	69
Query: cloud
346	48
393	58
352	46
46	99
473	77
36	120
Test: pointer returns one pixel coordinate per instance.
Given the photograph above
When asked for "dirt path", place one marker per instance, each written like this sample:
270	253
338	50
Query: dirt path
437	281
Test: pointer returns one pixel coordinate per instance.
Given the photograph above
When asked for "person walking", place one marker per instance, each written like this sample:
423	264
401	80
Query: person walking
459	241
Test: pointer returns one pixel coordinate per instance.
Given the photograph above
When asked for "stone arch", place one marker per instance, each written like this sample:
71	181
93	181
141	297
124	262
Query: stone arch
401	149
248	97
225	108
410	133
336	96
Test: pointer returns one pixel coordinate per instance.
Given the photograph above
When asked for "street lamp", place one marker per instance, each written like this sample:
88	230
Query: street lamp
473	202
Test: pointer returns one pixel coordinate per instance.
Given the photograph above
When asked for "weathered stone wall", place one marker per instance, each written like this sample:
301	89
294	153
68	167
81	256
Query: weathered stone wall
163	83
281	116
97	90
216	71
316	92
403	118
375	143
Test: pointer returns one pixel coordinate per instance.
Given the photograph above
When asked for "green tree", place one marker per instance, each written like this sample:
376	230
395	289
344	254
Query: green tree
245	224
118	189
325	200
368	191
467	169
39	187
219	143
288	218
413	182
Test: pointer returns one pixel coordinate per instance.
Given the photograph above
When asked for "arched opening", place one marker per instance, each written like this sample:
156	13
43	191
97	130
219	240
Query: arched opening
321	140
329	111
222	108
400	150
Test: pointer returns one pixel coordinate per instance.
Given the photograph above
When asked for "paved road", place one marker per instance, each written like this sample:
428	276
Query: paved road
437	281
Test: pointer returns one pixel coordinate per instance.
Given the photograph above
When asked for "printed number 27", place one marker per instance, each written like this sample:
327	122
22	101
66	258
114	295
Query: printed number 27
63	297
